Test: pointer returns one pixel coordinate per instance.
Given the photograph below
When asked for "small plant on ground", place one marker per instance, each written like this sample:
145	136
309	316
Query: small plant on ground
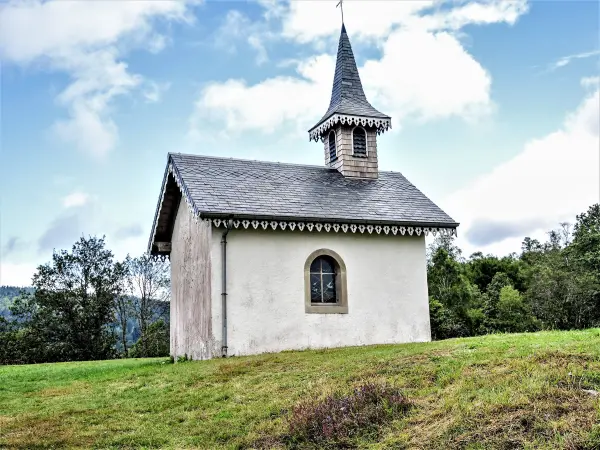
183	358
340	417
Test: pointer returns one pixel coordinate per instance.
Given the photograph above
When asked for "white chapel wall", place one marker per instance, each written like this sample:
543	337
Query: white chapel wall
386	282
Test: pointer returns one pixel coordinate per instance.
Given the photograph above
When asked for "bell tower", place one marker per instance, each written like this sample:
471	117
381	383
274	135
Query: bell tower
350	127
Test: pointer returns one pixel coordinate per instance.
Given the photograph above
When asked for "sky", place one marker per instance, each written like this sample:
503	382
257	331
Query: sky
495	108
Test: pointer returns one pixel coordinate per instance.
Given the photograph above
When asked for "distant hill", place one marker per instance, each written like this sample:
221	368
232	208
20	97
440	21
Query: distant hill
9	293
7	296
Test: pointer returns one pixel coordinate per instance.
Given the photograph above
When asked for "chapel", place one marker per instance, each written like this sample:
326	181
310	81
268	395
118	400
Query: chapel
269	256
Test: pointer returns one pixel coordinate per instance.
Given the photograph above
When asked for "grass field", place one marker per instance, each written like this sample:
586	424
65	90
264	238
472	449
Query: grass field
494	392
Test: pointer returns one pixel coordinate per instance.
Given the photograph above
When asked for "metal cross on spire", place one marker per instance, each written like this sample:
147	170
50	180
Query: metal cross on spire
341	5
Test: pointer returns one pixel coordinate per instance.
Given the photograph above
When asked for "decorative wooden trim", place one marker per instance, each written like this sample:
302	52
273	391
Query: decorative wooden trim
319	132
336	227
341	307
291	225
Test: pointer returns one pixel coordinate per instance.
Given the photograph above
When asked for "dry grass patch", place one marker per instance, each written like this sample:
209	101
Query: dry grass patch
492	392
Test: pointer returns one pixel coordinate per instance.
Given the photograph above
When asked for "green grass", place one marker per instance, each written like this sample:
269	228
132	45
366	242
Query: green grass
493	392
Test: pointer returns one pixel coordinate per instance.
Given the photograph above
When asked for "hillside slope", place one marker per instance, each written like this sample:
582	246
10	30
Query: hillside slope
493	392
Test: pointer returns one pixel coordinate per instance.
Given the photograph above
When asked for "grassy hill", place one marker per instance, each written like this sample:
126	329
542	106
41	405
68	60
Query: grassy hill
494	392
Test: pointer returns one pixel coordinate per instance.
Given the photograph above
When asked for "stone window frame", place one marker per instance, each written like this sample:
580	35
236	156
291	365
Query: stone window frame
366	155
341	307
335	156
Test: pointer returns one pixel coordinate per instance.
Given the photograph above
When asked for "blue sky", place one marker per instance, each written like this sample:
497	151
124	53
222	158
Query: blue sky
495	108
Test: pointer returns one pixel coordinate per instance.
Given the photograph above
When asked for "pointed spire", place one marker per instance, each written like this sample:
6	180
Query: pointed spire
347	95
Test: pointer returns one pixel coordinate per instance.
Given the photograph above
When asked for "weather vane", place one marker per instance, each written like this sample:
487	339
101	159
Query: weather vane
341	5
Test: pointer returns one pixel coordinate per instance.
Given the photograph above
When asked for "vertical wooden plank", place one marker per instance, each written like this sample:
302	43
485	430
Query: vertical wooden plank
191	329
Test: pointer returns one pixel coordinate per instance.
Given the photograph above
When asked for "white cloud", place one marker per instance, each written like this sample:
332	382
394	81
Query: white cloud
75	199
86	40
553	179
268	105
307	22
16	274
427	75
424	72
477	13
311	21
566	60
154	91
421	74
237	26
590	82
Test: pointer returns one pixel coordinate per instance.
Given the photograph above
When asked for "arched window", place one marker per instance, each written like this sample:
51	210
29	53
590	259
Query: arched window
323	273
325	283
332	150
359	141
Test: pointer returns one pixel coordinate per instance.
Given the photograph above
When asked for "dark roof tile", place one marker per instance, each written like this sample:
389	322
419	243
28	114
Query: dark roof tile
291	191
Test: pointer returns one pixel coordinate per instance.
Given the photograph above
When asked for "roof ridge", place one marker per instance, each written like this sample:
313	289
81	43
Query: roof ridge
262	161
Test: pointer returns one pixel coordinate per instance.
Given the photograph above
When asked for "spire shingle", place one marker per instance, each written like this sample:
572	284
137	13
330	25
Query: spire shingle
347	95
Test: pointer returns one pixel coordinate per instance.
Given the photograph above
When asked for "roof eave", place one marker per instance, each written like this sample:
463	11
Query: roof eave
159	205
171	169
269	217
381	123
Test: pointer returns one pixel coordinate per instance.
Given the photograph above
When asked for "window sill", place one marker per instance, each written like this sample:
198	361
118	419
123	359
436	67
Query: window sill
326	309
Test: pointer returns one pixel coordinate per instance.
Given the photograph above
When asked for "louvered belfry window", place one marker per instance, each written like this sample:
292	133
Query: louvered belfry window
359	141
332	152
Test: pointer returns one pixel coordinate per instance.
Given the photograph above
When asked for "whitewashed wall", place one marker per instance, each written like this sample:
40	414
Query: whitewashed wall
387	290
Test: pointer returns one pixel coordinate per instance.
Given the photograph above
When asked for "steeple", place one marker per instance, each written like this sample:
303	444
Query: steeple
349	109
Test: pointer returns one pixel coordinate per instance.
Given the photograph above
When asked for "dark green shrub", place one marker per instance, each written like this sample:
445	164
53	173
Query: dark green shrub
154	344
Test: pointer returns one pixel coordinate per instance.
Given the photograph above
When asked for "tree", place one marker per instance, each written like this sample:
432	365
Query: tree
586	240
149	286
155	343
514	313
123	312
482	269
454	307
69	314
563	276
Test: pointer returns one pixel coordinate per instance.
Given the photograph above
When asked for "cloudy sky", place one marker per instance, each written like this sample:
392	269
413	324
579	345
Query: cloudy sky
495	107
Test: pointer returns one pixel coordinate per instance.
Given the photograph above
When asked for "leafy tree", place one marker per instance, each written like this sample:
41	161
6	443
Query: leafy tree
514	314
490	300
156	342
68	316
123	314
586	240
563	286
482	269
149	287
454	300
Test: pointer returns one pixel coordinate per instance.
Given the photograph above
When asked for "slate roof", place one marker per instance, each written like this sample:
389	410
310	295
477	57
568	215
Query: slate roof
347	95
221	187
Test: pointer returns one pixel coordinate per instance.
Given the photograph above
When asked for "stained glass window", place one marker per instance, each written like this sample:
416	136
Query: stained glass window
323	280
